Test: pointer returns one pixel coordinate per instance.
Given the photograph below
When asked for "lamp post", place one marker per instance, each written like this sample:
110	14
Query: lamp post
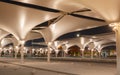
116	28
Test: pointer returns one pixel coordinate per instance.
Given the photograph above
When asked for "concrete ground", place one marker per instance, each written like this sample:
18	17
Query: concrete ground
10	66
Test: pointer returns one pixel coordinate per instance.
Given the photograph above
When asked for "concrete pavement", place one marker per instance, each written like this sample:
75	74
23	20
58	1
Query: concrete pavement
38	67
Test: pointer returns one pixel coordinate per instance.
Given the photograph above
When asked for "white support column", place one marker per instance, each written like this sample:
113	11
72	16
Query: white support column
48	54
116	28
92	54
22	50
82	41
16	51
82	53
99	53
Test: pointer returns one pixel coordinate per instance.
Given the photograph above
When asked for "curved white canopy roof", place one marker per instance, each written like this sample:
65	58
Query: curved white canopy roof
98	41
3	34
107	45
33	35
106	36
109	9
6	41
19	20
68	24
30	36
64	5
99	44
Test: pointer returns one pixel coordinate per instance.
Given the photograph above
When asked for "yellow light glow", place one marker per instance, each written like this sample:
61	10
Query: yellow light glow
56	3
114	26
111	25
82	49
49	43
56	43
92	49
22	19
22	42
16	47
25	48
26	1
53	27
47	17
10	47
78	35
99	51
91	40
